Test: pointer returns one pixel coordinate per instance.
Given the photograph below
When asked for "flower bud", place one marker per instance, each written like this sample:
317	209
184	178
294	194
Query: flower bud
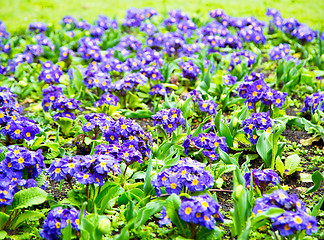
22	83
238	192
104	226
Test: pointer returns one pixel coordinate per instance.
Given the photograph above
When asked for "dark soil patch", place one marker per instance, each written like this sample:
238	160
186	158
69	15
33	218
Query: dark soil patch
290	111
54	189
295	136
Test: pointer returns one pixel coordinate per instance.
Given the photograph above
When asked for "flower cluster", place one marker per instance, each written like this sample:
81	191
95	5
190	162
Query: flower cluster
43	40
252	34
50	73
129	82
279	52
152	72
37	27
58	219
291	26
65	53
108	99
262	178
125	134
254	89
134	16
19	169
95	78
170	119
106	23
313	102
189	70
229	79
8	189
3	30
86	169
165	220
206	141
258	121
55	100
188	173
245	55
208	106
202	210
158	89
295	217
15	125
89	49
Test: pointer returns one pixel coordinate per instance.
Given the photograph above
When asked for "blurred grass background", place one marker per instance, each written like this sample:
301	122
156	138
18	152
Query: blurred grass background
16	14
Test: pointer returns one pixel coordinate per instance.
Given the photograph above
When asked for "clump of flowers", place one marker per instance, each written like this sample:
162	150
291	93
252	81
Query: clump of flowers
189	70
229	79
13	124
252	34
158	89
258	121
37	27
107	99
279	52
187	174
125	134
129	82
165	220
295	217
19	169
208	106
86	169
205	106
55	100
58	219
50	73
254	89
170	119
202	210
152	72
262	178
313	102
206	141
93	77
245	55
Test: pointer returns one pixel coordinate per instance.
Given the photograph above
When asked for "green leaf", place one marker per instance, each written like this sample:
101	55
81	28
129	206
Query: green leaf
76	197
317	178
147	181
205	234
112	193
3	234
26	216
172	205
186	107
150	209
317	207
3	219
199	128
77	80
41	179
67	232
264	149
38	141
87	140
138	114
66	125
29	197
292	162
280	166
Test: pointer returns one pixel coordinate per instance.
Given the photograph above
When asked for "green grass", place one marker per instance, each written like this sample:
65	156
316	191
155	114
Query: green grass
18	13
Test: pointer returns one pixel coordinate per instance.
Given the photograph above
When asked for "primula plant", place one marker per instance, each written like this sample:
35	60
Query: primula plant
162	125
